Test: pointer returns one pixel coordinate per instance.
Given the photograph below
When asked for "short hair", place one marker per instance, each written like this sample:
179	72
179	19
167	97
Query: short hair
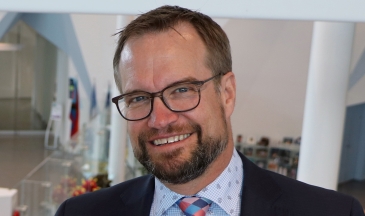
164	18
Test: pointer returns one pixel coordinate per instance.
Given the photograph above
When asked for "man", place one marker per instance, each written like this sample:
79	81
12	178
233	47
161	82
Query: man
173	67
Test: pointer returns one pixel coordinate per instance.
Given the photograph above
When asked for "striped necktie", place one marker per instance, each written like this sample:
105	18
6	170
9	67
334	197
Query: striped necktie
194	206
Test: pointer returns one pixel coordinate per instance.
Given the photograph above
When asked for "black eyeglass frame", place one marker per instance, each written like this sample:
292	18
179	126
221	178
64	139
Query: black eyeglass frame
159	94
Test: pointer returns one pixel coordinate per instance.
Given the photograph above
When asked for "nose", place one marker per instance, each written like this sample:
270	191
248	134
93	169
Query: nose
161	116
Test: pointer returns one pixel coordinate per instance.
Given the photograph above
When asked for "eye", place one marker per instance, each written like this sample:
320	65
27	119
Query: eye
182	90
186	88
136	100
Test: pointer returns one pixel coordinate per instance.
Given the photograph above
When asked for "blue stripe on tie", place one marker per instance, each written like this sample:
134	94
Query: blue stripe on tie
192	209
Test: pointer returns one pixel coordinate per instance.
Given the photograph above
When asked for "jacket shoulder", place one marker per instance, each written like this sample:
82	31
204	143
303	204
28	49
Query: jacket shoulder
108	201
285	196
313	200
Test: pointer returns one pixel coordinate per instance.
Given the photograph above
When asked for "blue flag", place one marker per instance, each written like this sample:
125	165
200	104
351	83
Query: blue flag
94	104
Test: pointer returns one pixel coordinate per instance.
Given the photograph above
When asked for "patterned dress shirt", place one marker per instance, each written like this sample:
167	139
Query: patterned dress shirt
225	192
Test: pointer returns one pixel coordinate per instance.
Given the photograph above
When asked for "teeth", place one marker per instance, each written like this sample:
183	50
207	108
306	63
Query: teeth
170	139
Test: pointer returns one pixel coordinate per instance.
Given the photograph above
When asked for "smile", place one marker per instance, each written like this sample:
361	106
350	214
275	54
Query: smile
172	139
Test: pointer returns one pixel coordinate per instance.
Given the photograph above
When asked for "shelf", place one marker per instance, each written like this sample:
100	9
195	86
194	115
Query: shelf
282	159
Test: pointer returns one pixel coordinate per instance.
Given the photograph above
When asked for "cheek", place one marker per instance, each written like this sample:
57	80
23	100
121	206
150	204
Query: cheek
215	113
133	131
211	106
208	115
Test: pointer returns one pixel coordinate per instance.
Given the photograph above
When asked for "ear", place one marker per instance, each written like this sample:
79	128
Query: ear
228	93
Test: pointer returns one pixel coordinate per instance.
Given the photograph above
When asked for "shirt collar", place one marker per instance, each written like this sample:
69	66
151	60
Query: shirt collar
225	190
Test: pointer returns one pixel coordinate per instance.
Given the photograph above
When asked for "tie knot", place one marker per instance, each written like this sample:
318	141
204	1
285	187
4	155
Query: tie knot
194	206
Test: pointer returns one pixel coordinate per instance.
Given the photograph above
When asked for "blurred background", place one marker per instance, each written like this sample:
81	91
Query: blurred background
299	108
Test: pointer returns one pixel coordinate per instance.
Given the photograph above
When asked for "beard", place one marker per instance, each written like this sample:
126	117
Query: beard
168	167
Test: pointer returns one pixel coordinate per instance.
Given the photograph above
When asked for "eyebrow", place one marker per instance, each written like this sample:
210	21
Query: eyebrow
186	79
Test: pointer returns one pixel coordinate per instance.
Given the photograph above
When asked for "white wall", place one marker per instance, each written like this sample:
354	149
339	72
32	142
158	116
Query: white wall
270	60
94	33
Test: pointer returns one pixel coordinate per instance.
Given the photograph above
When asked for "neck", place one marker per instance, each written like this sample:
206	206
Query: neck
213	171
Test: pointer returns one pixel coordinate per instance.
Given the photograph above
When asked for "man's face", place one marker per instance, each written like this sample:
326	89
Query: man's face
194	138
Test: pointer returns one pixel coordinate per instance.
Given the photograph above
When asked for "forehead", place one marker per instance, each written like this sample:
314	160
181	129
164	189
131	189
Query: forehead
155	60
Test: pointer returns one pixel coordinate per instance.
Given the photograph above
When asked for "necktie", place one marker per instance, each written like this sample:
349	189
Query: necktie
194	206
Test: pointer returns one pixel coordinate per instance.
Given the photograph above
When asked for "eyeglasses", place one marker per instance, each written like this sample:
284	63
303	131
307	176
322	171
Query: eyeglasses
179	97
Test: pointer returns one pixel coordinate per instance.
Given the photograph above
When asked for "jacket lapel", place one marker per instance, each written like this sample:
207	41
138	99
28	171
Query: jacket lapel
137	198
259	192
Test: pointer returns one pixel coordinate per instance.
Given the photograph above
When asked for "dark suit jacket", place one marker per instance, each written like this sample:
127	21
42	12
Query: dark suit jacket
264	194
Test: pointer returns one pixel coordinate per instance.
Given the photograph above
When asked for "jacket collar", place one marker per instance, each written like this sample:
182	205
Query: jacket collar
138	197
259	192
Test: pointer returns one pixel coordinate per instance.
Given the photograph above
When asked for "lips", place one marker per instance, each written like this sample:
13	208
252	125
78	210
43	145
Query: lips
172	139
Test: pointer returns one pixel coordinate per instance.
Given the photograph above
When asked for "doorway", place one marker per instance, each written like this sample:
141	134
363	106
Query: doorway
352	165
27	80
